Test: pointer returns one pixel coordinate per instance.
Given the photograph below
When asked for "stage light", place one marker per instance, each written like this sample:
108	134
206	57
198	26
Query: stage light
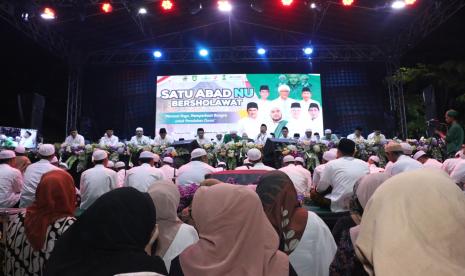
410	2
157	54
25	16
308	50
286	3
224	6
167	5
203	52
48	13
106	7
347	2
142	10
398	4
313	5
261	51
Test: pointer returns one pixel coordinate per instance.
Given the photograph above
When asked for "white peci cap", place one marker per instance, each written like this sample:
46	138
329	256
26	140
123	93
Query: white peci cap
284	87
147	154
99	155
288	158
308	130
221	164
7	154
46	150
139	129
406	148
20	149
419	154
198	153
330	155
110	164
254	154
374	158
300	159
120	164
328	131
168	160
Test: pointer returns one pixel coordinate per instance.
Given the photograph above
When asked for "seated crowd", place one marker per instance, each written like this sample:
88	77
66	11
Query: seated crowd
405	219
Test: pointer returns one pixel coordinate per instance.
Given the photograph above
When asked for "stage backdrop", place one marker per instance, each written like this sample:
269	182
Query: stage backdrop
242	102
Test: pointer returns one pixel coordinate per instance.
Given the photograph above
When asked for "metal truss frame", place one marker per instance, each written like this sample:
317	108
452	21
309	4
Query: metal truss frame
73	109
396	97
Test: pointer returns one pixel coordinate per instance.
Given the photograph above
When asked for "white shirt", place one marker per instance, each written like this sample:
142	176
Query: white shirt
449	164
257	166
193	172
11	183
168	171
96	182
203	141
342	174
261	138
316	249
186	236
121	176
316	125
249	126
109	141
374	169
300	179
374	139
432	163
143	176
305	105
140	141
458	174
32	177
405	163
78	141
356	139
163	142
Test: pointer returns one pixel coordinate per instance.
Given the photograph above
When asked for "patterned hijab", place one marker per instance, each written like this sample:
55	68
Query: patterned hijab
55	199
279	200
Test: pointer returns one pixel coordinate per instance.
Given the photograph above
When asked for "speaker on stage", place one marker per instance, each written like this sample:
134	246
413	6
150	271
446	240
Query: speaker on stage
185	145
272	157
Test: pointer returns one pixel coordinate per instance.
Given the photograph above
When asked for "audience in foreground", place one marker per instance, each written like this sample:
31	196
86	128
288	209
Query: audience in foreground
236	237
303	235
32	234
414	224
111	237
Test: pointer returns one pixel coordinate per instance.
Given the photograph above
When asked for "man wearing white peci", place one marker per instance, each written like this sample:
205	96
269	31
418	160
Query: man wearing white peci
140	139
11	180
143	176
194	172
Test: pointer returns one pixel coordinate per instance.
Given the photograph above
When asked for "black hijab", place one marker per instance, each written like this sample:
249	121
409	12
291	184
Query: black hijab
108	238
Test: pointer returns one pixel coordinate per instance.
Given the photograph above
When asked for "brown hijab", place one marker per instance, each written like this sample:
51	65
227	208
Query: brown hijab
236	238
279	200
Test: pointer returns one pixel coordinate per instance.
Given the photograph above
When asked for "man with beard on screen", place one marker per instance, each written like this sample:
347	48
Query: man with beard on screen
277	123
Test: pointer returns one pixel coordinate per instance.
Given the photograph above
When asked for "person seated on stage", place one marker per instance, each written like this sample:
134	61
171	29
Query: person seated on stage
302	182
201	137
376	138
373	164
327	156
303	235
221	167
285	133
449	164
262	136
401	162
11	180
245	138
251	123
232	137
345	262
357	136
163	139
22	161
427	162
115	235
455	135
108	139
329	137
120	169
316	137
168	168
98	180
307	137
277	122
412	221
141	177
341	175
218	139
33	233
74	140
194	172
140	139
34	173
236	237
254	157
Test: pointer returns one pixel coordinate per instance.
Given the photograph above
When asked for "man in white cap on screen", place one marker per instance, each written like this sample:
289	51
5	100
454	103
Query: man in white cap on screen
402	163
34	173
108	139
283	101
168	169
254	157
298	177
373	164
11	180
163	139
427	162
140	139
144	175
327	156
98	180
22	161
195	170
120	168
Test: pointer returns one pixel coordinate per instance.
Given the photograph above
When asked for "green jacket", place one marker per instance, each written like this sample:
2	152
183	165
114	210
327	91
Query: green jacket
454	138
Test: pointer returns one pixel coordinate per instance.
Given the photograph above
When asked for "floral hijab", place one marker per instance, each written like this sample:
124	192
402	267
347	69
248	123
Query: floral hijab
279	200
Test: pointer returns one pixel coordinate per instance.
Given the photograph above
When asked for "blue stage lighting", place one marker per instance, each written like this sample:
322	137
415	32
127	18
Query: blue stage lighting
261	51
157	54
308	51
203	52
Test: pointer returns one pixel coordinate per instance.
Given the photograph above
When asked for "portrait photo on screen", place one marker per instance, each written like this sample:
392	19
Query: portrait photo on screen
11	137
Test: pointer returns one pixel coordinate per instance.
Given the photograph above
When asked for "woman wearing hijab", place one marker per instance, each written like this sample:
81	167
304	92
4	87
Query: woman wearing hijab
414	225
110	237
174	236
236	238
303	235
32	234
346	228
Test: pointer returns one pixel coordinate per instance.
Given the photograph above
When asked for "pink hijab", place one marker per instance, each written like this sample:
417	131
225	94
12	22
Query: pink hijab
236	237
165	196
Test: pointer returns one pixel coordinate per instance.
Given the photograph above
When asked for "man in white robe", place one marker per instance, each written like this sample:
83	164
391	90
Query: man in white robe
74	140
427	162
194	172
316	119
283	101
376	138
251	123
163	139
109	140
357	136
140	139
264	105
201	139
143	176
401	162
263	135
300	179
254	157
